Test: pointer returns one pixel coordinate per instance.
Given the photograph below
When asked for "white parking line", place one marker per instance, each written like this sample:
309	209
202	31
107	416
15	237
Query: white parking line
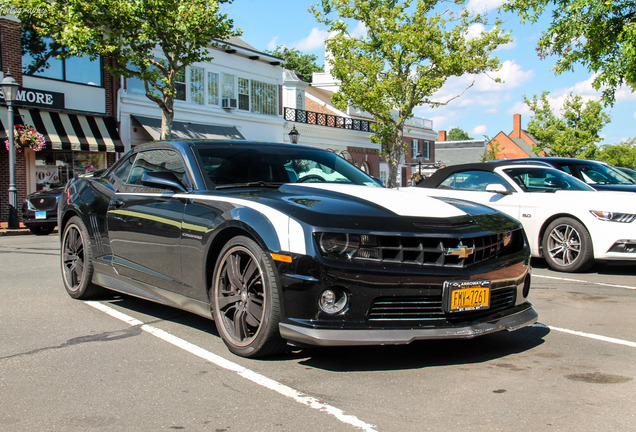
584	281
238	369
589	335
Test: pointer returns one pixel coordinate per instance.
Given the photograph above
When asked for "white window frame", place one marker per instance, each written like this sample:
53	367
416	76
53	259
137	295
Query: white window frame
415	147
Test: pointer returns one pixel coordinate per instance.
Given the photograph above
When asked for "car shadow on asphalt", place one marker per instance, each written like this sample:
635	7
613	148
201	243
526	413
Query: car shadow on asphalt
427	353
417	355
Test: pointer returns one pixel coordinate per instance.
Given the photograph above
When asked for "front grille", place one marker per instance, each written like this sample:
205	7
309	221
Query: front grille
427	251
43	203
430	307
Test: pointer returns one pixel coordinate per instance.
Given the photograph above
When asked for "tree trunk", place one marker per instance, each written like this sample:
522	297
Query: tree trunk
394	157
167	114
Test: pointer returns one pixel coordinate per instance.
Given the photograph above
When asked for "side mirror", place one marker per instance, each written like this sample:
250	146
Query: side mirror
497	188
162	180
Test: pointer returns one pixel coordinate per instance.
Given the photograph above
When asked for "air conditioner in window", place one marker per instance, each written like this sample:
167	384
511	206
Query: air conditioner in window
228	103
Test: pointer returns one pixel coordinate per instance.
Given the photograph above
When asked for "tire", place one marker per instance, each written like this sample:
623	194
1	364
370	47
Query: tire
77	261
567	246
41	230
244	300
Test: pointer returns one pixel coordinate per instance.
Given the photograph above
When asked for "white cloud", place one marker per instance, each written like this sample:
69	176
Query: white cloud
359	31
485	90
520	108
479	130
475	31
507	46
483	6
271	46
314	41
511	75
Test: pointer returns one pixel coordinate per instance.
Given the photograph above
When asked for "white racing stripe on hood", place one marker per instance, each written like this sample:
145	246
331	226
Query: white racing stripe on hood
399	201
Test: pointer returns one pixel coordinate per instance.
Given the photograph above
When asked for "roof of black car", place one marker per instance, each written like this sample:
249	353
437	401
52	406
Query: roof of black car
197	142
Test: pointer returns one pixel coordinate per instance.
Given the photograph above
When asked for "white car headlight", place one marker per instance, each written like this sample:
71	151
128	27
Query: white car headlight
613	217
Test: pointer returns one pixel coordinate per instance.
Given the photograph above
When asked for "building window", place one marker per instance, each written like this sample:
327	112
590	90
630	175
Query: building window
227	91
55	168
213	88
414	149
180	85
45	64
197	85
244	94
253	96
426	150
264	98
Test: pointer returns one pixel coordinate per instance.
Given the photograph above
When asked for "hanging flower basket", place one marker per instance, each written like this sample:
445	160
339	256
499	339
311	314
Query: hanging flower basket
416	177
26	137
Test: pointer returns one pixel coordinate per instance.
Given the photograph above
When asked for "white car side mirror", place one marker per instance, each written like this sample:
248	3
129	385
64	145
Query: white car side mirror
497	188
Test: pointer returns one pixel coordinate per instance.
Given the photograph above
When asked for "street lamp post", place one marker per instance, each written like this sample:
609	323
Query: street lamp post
9	88
419	157
294	135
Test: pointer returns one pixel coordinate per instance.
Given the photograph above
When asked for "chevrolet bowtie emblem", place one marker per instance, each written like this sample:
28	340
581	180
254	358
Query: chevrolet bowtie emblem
460	251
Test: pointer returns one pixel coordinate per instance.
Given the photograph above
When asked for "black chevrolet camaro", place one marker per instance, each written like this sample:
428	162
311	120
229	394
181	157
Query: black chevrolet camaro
284	244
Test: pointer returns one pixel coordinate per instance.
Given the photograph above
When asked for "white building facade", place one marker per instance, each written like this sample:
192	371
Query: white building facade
236	95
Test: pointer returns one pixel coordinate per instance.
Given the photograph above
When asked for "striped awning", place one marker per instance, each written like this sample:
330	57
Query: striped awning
188	130
66	131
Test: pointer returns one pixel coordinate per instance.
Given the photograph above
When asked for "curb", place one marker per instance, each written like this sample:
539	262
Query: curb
20	231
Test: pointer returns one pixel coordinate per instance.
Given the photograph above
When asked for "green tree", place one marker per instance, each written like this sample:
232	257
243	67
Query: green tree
458	134
303	64
493	148
408	52
600	35
573	132
622	154
153	40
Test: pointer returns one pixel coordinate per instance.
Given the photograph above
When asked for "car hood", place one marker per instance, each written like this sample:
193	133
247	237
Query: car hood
363	207
46	193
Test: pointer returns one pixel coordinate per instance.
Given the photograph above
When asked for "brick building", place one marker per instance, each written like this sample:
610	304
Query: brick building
72	103
516	144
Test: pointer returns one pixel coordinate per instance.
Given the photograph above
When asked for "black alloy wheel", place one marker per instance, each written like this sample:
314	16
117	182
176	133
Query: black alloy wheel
244	299
76	259
567	245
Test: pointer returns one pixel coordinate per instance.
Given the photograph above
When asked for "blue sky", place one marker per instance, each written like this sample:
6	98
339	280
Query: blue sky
487	107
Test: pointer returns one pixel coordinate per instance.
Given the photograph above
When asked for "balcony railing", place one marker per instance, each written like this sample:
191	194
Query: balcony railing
328	120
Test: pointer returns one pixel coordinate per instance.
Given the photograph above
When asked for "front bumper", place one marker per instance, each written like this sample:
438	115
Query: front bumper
522	316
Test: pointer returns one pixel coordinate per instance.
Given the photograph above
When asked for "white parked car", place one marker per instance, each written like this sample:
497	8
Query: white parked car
567	222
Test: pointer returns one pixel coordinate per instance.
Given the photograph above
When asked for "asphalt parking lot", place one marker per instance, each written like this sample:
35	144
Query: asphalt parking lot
121	363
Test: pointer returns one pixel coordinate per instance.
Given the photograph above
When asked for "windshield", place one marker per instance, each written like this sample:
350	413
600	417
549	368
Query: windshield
534	179
264	165
597	174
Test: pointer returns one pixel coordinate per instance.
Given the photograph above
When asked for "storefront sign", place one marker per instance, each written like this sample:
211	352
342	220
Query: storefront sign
46	174
38	98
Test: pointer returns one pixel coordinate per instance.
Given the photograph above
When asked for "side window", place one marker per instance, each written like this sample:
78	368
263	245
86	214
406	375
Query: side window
164	161
122	169
471	180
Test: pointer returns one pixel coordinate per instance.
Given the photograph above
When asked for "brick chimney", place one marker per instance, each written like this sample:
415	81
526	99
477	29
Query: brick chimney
516	126
441	135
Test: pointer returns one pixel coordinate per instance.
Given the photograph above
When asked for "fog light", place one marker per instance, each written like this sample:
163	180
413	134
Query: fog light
332	302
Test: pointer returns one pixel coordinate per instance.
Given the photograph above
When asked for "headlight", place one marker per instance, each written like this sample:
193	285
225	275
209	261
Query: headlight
339	243
613	217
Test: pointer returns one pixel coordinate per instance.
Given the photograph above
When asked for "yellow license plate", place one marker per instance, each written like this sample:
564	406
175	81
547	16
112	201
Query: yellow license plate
467	295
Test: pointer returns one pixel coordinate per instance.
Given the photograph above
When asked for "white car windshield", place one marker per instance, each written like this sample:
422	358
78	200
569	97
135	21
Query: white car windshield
534	179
